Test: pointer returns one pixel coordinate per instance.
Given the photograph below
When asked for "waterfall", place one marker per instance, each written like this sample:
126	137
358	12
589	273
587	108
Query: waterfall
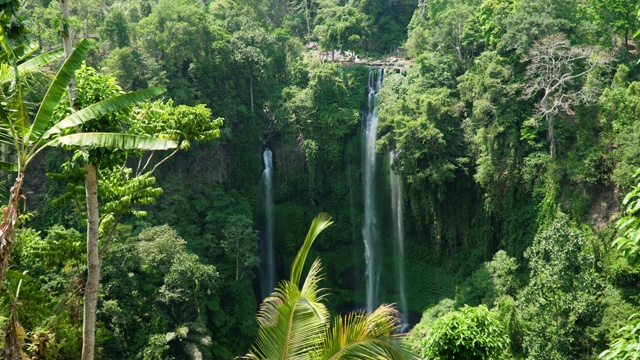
369	230
267	255
398	234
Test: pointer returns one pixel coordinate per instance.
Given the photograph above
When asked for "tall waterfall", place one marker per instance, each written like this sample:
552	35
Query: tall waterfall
267	255
398	234
369	230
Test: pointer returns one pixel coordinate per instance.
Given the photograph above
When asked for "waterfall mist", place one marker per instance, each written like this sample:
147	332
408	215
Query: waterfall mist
267	252
398	234
369	230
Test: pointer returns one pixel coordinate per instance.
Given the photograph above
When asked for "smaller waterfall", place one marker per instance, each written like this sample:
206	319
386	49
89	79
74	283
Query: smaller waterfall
267	252
369	230
398	234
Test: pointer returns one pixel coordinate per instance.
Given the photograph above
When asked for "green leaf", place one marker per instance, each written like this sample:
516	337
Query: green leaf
104	107
18	275
21	51
39	61
365	336
321	222
32	65
115	140
57	89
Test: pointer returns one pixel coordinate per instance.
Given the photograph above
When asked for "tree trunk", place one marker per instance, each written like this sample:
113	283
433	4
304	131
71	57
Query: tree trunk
251	89
552	138
93	219
67	44
93	263
9	219
307	16
626	40
549	117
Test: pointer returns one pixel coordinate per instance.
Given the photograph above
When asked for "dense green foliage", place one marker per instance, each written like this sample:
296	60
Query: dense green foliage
626	342
468	333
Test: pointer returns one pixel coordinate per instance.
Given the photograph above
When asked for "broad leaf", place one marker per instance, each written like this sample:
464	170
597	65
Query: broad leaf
57	89
39	61
19	114
102	108
30	65
4	41
115	140
22	51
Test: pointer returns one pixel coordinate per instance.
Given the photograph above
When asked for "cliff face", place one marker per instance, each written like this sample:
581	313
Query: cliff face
205	163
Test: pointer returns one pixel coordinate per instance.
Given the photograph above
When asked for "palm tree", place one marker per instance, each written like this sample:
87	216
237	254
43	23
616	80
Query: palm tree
192	339
294	323
29	137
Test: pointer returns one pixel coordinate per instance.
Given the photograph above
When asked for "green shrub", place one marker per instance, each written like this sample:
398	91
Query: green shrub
468	333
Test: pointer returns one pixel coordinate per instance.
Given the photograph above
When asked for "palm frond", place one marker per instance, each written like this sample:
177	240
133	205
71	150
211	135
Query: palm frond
290	325
293	320
310	288
57	89
115	140
319	223
104	107
193	351
365	336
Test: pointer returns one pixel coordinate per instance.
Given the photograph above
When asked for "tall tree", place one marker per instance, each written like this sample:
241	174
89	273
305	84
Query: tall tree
241	243
342	28
28	138
180	124
555	71
620	16
249	46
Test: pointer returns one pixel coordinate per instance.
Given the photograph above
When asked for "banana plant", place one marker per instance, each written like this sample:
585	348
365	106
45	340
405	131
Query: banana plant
295	324
28	137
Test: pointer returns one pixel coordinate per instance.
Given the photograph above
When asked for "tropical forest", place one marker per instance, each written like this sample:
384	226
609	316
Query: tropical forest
319	179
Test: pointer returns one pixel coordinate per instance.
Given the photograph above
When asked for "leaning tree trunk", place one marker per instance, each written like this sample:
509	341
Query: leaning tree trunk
9	219
93	263
251	89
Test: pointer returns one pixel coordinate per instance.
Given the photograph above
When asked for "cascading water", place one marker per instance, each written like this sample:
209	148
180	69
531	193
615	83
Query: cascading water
267	253
369	230
398	234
